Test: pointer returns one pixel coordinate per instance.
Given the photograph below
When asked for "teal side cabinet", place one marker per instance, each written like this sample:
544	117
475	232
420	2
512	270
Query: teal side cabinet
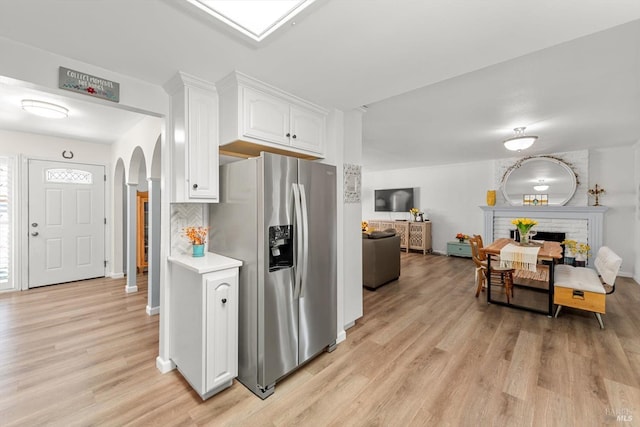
459	249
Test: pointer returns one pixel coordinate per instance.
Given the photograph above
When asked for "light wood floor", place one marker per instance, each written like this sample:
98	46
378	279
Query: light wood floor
426	352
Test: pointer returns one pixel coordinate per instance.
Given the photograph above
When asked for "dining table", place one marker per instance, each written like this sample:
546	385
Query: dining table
549	254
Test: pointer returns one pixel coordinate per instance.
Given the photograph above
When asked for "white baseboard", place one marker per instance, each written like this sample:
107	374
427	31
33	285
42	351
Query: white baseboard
116	275
165	366
342	335
130	289
349	325
152	311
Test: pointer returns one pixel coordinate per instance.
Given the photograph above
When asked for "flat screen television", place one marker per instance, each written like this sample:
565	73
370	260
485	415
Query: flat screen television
393	200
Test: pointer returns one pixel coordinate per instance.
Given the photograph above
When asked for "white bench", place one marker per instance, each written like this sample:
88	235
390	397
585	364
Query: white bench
583	288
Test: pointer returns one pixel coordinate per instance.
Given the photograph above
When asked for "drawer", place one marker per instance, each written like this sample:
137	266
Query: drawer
459	249
589	301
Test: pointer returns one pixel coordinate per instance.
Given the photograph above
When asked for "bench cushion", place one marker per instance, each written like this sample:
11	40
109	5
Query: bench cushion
579	278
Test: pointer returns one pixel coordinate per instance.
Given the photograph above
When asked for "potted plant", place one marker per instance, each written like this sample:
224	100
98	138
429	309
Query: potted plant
198	237
582	253
524	225
461	237
569	251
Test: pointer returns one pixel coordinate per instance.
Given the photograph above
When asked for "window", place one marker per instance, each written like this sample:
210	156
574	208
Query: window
6	222
69	176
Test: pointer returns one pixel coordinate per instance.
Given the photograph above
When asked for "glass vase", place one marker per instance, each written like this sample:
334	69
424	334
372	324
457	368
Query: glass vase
524	236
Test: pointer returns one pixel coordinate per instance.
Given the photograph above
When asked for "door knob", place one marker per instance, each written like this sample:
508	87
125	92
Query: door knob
224	300
195	186
294	136
34	224
35	233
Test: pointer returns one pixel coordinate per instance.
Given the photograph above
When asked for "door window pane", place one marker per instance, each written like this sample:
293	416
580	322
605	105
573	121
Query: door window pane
69	176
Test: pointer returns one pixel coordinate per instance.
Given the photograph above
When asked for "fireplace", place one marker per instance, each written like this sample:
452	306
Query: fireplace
580	223
551	236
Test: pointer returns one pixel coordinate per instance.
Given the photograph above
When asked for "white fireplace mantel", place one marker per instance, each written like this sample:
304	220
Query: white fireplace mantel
593	214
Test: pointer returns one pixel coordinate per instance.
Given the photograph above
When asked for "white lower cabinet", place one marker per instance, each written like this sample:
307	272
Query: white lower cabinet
204	323
221	350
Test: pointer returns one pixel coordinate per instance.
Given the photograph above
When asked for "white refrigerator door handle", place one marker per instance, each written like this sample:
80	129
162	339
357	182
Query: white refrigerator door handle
305	239
299	241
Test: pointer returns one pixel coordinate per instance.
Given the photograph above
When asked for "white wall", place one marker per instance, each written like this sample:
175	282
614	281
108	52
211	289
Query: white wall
351	221
28	145
613	170
144	134
51	148
450	196
636	274
42	73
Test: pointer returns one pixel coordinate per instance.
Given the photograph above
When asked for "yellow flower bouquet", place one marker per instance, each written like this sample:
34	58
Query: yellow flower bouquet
524	225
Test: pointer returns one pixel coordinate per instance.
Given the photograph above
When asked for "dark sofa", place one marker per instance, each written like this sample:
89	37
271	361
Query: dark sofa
380	258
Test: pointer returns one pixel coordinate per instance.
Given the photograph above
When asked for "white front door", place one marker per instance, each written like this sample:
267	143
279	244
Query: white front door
66	222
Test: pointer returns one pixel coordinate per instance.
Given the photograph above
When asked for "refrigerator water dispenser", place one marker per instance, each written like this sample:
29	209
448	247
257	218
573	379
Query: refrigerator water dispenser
280	247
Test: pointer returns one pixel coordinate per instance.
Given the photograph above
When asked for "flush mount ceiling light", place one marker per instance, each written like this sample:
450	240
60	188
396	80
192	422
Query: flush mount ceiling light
520	141
541	186
253	18
44	109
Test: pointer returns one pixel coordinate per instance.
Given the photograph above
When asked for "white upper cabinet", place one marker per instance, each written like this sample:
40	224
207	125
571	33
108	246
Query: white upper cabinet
307	129
265	117
194	108
255	116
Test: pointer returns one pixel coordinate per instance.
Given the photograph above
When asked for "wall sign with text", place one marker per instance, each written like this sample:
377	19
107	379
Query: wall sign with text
87	84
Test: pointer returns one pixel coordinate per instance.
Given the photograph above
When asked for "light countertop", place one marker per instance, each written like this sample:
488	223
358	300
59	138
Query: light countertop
210	262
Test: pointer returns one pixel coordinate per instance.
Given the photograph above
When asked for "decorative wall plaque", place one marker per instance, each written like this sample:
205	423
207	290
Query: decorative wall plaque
87	84
352	180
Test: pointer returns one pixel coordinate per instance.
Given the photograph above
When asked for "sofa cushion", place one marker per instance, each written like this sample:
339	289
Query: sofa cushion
382	234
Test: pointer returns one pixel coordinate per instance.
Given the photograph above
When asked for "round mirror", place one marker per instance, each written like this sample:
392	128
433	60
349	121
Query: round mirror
539	181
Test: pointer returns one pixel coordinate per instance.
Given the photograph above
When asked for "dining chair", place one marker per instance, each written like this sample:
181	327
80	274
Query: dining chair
501	275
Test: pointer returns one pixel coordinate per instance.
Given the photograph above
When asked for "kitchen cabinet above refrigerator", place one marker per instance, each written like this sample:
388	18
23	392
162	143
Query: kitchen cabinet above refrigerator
255	117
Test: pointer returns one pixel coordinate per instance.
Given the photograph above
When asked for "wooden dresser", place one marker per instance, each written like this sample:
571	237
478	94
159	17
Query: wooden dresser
413	235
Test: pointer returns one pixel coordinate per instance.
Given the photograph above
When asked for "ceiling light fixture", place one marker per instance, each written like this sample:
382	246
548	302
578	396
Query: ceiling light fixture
520	141
44	109
541	186
255	19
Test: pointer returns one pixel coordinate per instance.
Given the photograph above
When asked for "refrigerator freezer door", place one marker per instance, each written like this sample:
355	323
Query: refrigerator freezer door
317	321
277	307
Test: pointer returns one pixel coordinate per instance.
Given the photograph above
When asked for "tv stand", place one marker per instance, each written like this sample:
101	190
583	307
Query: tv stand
413	235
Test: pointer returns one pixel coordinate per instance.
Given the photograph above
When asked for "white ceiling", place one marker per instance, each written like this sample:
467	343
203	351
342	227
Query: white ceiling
470	71
88	121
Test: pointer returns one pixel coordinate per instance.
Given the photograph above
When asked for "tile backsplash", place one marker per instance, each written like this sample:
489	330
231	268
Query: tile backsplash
183	215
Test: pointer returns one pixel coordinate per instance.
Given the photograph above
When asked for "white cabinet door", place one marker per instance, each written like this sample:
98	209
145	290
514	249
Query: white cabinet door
221	327
307	129
265	117
202	134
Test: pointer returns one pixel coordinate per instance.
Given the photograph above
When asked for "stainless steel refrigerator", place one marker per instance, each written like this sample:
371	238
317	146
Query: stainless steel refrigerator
278	215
